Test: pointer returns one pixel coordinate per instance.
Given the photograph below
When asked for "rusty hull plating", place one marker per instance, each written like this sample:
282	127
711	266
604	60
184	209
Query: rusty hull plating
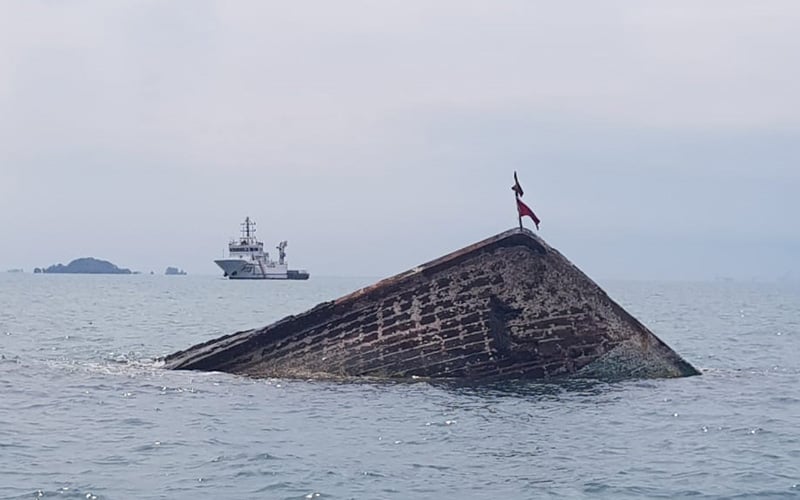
508	307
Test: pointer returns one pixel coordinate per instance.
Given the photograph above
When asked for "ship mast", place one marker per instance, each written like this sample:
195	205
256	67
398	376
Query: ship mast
248	229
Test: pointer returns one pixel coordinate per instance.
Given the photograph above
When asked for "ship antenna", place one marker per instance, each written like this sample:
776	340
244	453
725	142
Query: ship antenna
248	228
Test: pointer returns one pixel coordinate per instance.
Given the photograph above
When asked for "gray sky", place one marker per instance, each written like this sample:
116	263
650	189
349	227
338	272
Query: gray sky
653	139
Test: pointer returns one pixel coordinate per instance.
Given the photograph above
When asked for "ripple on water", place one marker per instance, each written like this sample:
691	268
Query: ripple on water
88	401
64	492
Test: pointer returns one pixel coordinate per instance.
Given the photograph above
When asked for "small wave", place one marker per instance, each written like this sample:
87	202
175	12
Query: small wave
63	493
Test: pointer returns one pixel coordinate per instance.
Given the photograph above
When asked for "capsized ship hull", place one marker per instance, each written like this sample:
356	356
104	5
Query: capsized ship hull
507	307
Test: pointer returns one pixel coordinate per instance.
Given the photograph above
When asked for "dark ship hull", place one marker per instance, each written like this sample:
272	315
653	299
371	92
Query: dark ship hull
504	308
293	274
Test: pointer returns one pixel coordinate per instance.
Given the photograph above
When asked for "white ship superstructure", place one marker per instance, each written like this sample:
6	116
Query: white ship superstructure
248	260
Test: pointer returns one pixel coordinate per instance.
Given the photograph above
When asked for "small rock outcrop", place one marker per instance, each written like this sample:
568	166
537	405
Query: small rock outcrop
507	307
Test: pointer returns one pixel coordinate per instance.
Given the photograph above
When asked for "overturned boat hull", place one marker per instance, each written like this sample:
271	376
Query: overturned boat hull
507	307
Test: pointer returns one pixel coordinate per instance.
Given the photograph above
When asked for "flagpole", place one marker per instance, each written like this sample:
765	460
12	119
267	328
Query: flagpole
517	190
522	208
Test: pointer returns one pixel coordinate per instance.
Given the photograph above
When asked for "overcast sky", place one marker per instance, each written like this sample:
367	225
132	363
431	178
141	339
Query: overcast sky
655	140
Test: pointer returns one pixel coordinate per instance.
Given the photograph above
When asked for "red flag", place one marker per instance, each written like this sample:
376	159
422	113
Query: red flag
516	187
524	210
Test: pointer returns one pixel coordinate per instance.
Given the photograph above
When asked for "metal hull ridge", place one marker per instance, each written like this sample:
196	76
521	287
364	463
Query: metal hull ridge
247	259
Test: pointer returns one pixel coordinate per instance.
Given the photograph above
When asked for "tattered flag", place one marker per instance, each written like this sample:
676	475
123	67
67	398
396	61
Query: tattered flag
524	210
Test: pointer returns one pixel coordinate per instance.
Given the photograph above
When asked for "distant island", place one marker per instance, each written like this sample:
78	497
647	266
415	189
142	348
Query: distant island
174	271
85	265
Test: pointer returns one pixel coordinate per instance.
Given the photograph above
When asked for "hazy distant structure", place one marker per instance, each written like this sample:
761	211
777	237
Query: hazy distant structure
504	308
85	265
247	259
174	271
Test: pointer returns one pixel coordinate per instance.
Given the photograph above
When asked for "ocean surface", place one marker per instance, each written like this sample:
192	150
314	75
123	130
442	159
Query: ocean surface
86	413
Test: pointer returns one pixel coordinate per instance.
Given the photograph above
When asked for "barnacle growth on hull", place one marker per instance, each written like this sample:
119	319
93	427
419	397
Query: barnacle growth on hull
508	307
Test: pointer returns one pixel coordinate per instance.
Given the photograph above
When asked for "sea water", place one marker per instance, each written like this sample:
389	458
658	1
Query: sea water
86	413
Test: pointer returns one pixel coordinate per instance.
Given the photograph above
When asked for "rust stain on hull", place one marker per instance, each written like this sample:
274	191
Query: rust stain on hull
504	308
